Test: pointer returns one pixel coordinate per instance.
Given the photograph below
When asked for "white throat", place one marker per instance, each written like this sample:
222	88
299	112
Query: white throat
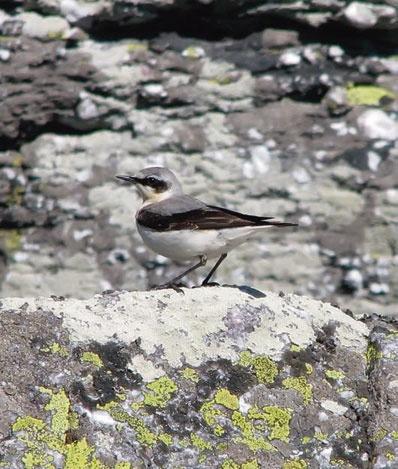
156	198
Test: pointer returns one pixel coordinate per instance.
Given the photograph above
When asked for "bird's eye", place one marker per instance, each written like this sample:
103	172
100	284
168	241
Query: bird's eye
151	181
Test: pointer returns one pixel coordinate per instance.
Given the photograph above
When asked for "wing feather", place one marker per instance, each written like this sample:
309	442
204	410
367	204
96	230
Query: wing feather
205	218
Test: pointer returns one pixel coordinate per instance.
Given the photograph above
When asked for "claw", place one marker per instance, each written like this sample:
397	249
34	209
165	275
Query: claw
174	286
210	284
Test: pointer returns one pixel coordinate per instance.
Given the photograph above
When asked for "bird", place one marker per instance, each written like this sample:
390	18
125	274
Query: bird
184	228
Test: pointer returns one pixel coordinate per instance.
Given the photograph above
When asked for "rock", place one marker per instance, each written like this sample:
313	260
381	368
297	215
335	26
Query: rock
335	52
5	55
213	377
41	86
373	161
382	349
336	101
360	15
392	196
112	86
375	123
48	28
86	109
289	58
353	280
279	38
378	288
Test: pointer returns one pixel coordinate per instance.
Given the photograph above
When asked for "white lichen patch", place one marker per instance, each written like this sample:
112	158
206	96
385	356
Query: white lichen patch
334	407
147	370
185	327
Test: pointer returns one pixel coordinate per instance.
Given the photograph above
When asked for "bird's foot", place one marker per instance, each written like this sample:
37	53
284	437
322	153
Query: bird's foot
174	286
210	284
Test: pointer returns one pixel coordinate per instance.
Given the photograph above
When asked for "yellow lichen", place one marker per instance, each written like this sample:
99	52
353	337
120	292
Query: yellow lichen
320	436
295	348
44	441
77	455
372	354
301	385
193	52
218	430
136	405
123	465
226	399
93	358
60	405
334	374
165	438
137	47
250	465
367	95
229	464
33	459
338	462
222	79
143	434
57	348
190	374
277	419
379	434
56	35
249	438
200	443
308	368
11	240
295	464
161	391
265	369
27	423
209	413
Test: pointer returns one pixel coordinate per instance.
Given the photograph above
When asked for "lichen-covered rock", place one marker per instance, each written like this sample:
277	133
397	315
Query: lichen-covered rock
282	120
215	377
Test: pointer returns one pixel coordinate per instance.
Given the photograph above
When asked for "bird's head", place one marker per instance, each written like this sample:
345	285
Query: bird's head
154	184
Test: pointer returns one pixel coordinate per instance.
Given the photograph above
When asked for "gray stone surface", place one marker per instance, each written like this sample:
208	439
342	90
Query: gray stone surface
215	377
255	109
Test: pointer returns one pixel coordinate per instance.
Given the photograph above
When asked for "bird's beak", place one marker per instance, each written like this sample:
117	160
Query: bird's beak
130	179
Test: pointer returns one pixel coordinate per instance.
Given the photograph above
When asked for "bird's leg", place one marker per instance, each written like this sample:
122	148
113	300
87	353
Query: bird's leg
211	273
172	283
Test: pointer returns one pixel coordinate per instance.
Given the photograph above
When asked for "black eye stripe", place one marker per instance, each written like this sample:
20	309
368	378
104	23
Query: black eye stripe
152	180
155	183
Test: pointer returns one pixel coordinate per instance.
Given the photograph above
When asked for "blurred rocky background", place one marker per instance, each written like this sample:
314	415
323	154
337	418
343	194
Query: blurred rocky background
285	109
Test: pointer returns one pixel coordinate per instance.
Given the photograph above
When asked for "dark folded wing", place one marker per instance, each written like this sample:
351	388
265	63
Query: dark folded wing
206	218
243	216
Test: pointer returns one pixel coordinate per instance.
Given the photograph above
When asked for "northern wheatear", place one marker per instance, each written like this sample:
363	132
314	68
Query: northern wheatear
183	228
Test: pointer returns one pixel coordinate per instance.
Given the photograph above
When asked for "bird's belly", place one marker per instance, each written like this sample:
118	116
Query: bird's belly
182	245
